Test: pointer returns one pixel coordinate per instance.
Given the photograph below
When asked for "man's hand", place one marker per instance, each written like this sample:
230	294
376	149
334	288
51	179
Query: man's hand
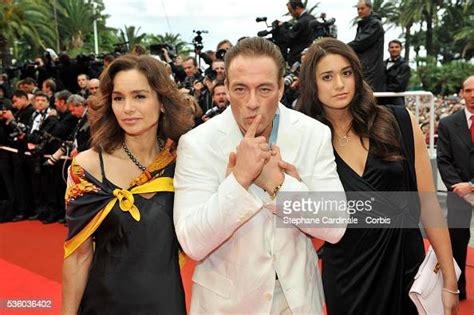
294	85
288	168
6	114
198	86
252	154
461	189
52	112
271	175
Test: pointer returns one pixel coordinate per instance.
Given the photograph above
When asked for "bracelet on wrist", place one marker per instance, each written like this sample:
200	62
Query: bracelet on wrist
274	193
451	291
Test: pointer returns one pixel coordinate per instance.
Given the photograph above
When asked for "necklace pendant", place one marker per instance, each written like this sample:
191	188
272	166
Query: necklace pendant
344	141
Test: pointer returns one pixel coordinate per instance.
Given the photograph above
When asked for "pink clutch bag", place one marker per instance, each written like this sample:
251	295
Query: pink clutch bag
427	288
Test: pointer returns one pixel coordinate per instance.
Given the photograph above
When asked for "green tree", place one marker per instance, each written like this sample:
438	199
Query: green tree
27	20
75	18
444	79
388	11
423	12
132	35
465	34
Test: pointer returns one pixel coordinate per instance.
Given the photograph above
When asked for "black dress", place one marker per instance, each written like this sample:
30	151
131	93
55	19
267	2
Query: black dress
371	270
135	268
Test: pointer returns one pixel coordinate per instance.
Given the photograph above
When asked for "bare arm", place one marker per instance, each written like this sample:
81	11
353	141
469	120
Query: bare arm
432	219
75	273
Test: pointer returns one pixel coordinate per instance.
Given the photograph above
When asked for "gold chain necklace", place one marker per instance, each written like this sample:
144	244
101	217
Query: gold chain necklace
344	141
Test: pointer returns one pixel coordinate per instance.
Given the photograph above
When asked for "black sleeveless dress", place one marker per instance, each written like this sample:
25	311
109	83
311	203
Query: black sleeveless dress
135	269
371	270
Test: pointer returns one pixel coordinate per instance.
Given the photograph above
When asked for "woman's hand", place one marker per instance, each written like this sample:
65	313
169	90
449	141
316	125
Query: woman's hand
450	302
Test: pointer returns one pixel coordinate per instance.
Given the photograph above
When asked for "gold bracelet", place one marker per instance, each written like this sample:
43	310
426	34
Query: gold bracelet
274	193
451	291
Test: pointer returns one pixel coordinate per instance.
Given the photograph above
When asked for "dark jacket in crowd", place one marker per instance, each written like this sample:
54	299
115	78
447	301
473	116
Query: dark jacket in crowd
65	125
397	76
396	79
22	116
42	137
299	37
83	136
369	44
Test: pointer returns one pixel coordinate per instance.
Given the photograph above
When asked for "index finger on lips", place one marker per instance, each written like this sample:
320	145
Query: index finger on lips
253	127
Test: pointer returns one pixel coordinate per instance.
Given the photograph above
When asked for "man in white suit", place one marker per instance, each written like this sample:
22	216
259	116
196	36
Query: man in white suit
228	171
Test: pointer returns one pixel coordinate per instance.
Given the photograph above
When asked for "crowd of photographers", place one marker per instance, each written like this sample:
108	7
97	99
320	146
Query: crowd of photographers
44	116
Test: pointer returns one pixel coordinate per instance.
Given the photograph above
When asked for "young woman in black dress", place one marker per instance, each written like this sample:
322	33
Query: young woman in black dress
121	253
377	149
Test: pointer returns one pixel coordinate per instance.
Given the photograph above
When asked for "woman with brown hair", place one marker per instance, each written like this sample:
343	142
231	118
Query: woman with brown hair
381	157
121	253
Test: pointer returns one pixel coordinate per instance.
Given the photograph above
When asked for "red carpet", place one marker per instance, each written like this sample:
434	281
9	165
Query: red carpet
31	263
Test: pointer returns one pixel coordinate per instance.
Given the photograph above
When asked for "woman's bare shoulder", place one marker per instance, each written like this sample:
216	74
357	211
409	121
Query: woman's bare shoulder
89	161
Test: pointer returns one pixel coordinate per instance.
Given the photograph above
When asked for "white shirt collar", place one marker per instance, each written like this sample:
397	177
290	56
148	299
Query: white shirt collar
468	116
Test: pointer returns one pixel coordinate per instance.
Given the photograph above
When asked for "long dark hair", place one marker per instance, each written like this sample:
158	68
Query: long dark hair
177	119
368	120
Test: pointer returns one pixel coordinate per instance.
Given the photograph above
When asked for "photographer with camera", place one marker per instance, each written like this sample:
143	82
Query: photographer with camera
66	121
368	44
220	101
72	141
16	127
176	65
41	142
291	82
193	74
300	35
7	193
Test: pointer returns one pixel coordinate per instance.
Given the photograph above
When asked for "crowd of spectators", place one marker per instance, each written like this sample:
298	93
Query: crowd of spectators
444	105
44	112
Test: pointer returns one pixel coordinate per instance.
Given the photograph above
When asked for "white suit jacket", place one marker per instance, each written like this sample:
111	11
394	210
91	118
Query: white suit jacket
232	237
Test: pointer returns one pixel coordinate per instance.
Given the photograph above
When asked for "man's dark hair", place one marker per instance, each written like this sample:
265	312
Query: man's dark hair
396	41
62	95
50	84
193	59
218	83
222	42
29	80
255	47
87	76
41	94
295	4
20	93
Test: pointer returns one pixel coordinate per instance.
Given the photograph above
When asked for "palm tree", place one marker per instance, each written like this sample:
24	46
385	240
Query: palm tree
423	11
466	33
131	35
388	11
76	19
27	20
